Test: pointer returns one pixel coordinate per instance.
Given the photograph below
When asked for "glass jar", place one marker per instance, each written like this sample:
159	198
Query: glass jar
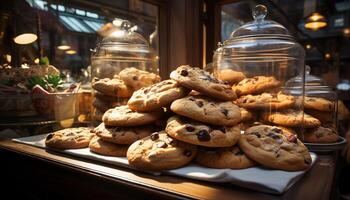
122	63
258	59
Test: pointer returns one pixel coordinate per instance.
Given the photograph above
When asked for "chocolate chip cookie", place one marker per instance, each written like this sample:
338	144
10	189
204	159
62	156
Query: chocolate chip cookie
160	152
291	118
123	116
122	135
69	138
197	133
321	135
201	81
156	96
220	158
207	110
266	101
137	79
230	76
318	103
275	147
99	146
112	87
256	85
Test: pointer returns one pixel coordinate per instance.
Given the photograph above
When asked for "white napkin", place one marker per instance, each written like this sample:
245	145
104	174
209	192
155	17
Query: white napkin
255	178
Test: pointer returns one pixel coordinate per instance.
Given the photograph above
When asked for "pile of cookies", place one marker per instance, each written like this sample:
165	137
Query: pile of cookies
114	92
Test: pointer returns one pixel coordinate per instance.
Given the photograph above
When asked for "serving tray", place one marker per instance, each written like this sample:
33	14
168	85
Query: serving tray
326	147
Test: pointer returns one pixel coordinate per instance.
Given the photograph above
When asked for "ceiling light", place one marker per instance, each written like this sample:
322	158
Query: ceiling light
71	52
25	38
63	47
315	21
308	46
327	55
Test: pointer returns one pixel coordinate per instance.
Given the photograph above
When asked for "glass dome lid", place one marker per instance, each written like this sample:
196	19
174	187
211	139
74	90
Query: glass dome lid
260	27
310	80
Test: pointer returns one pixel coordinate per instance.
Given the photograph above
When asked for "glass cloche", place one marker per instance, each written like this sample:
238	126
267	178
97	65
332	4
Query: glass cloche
122	63
258	59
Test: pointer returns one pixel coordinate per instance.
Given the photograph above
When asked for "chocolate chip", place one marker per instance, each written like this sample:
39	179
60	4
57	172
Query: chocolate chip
173	142
191	98
140	143
257	134
114	135
223	129
199	103
189	128
135	78
184	72
203	136
224	111
155	136
238	152
307	161
162	145
273	135
187	153
276	130
49	136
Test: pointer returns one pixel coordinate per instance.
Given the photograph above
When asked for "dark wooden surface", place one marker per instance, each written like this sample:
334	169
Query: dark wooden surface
35	173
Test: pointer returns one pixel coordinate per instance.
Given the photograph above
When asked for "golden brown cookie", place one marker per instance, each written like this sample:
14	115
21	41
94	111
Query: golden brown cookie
247	115
160	152
318	103
266	101
324	117
112	87
220	158
99	146
137	78
231	76
69	138
275	147
256	85
197	133
321	135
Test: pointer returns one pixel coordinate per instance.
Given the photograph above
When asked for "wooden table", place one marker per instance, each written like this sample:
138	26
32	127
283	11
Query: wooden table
39	174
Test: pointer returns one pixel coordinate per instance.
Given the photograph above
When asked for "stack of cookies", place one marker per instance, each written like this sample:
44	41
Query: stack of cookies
114	92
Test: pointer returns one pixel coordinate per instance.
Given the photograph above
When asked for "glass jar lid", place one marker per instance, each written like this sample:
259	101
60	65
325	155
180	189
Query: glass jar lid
310	80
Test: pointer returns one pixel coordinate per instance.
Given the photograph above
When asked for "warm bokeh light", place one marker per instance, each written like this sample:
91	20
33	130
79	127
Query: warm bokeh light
327	55
308	46
346	31
25	38
63	47
315	21
71	52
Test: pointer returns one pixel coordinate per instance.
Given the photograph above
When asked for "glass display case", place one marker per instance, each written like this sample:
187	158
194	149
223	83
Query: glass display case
121	63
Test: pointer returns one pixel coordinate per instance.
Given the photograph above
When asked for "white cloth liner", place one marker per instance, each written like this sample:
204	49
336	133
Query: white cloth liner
255	178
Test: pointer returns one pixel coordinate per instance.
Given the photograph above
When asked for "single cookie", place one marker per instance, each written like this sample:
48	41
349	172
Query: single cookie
247	115
231	76
207	110
137	79
266	101
112	87
156	96
69	138
291	118
220	158
123	116
275	147
201	81
320	104
99	146
255	85
200	134
160	152
122	135
321	135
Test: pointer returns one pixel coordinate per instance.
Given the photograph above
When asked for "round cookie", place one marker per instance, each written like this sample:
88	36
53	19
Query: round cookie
255	85
122	135
112	87
137	79
291	118
266	101
231	76
123	116
247	115
69	138
99	146
220	158
160	152
321	135
193	132
201	81
206	110
318	103
156	96
275	147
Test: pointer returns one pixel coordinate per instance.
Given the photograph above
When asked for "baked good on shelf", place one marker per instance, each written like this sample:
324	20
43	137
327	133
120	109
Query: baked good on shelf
291	118
275	147
112	87
137	79
99	146
321	135
197	133
160	152
247	115
123	116
229	157
156	96
207	110
256	85
203	82
324	117
266	101
318	103
231	76
122	135
69	138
